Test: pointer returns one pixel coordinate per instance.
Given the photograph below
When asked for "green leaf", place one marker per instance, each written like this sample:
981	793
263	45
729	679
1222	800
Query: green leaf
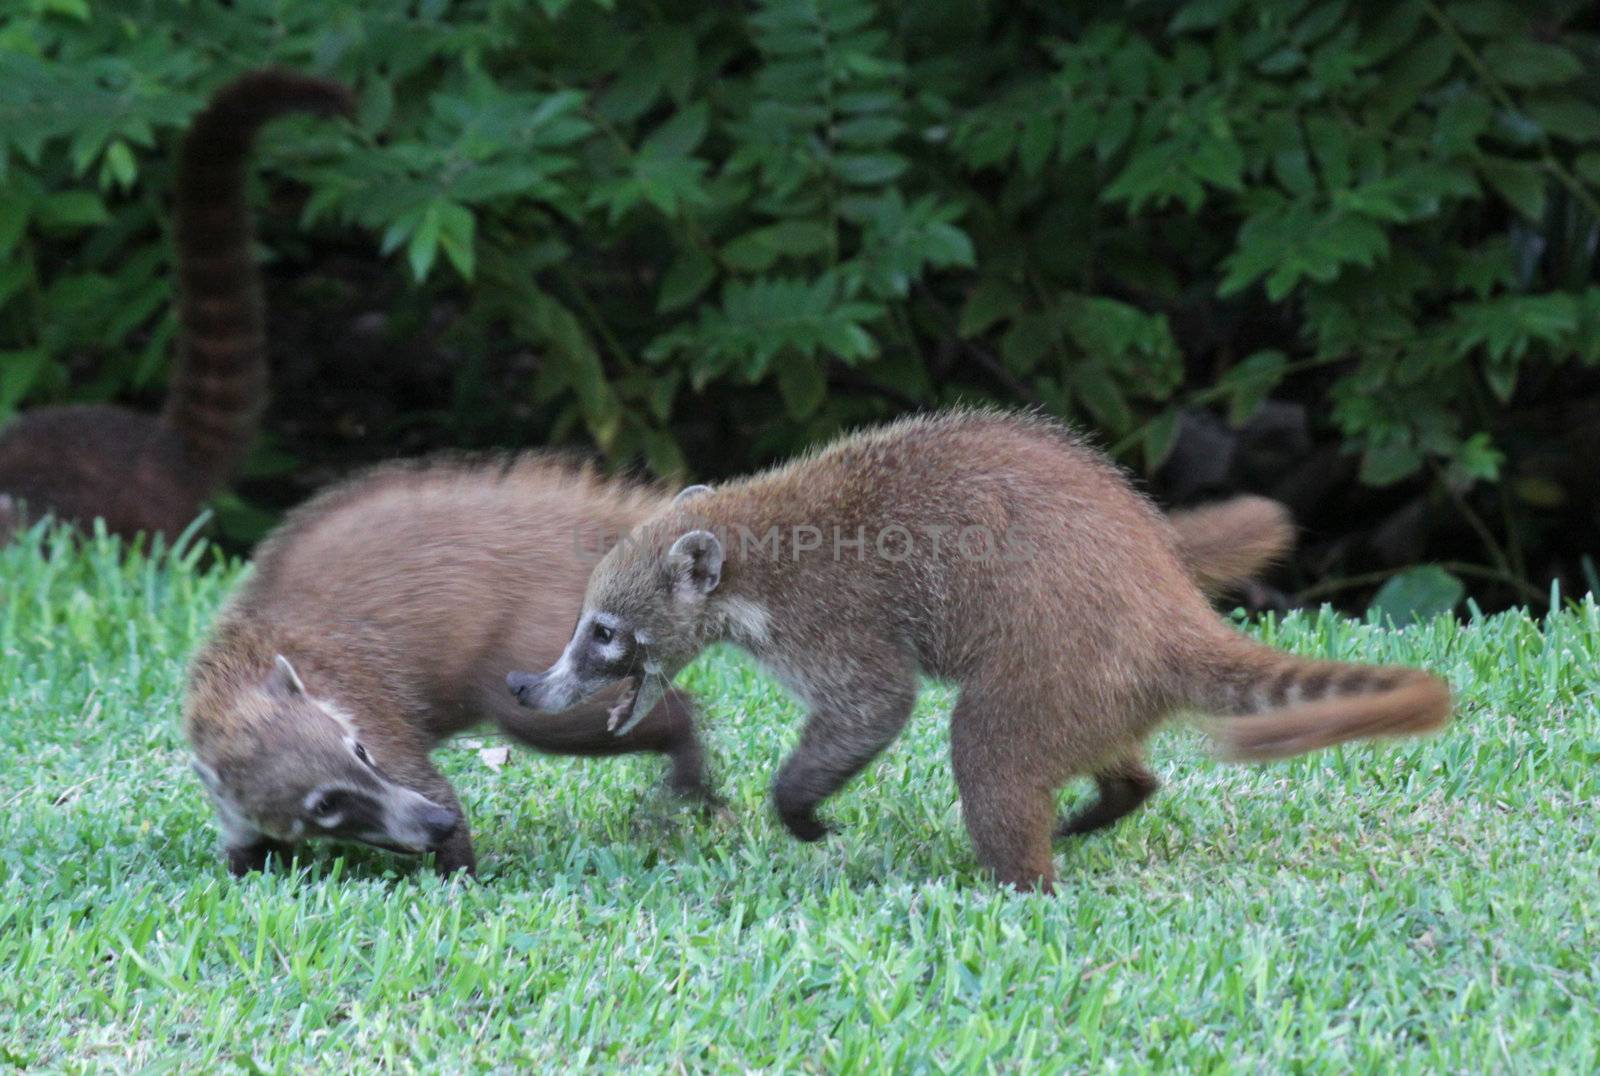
690	273
1102	396
994	299
869	169
70	210
15	211
377	106
758	249
1026	341
424	245
1160	437
1388	460
802	385
1477	458
19	370
1525	62
119	167
1588	166
456	231
1567	117
1417	594
679	136
1249	383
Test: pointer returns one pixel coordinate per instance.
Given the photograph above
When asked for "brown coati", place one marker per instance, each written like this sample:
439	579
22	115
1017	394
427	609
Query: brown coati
154	473
380	619
382	616
992	550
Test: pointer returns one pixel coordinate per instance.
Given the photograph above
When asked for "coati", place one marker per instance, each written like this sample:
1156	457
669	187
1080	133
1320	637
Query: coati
153	473
382	617
993	550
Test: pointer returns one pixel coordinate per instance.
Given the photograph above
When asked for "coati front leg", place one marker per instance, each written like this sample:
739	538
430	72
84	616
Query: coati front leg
669	728
1122	786
454	853
841	736
244	858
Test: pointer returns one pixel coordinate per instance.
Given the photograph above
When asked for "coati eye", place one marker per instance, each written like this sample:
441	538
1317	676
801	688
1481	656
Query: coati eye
603	634
361	753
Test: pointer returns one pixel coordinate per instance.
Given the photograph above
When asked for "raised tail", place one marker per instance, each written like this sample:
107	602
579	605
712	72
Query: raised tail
1276	705
1227	543
219	383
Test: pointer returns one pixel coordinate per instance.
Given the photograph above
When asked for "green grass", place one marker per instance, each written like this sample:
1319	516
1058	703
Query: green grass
1428	906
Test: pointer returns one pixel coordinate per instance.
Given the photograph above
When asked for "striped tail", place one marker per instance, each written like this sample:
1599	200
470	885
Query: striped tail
1232	541
219	383
1276	705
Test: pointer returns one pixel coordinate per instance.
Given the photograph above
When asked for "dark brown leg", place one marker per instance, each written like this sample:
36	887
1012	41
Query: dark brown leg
1006	801
1122	789
834	748
455	852
253	857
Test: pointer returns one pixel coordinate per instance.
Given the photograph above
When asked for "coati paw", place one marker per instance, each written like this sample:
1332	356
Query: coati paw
805	826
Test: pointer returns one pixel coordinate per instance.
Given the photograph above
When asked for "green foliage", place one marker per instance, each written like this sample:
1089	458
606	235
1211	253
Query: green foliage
1418	594
826	211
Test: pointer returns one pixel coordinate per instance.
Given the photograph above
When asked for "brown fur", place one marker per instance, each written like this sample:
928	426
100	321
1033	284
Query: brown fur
154	473
1066	659
402	597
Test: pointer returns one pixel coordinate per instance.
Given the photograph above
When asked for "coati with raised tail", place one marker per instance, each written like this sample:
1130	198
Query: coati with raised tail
154	473
383	616
992	550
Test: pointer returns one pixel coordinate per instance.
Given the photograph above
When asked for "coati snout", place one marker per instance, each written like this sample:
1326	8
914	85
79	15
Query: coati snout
618	636
307	774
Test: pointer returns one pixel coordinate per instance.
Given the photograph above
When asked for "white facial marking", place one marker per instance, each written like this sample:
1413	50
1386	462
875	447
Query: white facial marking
345	719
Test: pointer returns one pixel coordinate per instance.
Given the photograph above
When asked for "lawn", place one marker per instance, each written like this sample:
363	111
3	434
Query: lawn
1422	906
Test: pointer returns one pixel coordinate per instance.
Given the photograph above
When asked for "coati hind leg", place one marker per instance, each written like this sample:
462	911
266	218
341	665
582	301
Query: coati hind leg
1007	800
838	742
1123	786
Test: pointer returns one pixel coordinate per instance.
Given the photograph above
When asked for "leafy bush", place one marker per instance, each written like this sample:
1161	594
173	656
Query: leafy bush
731	230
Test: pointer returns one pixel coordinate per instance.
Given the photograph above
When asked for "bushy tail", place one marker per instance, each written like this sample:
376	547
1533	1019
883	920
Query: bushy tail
1227	543
1276	705
219	384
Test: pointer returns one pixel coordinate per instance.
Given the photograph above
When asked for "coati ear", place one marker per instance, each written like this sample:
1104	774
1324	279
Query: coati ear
690	491
284	679
696	562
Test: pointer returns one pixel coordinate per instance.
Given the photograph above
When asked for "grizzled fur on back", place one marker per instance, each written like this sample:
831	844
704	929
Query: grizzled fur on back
400	599
1068	620
154	473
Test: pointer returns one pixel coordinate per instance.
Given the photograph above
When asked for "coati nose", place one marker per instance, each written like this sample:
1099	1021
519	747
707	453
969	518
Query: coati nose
521	683
440	822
